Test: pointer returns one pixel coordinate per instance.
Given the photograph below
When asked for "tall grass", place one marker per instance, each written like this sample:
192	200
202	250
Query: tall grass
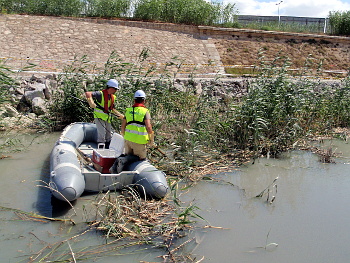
43	7
5	82
107	8
279	111
340	22
276	112
195	12
282	26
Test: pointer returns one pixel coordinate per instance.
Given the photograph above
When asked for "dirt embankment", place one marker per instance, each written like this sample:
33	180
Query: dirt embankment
334	56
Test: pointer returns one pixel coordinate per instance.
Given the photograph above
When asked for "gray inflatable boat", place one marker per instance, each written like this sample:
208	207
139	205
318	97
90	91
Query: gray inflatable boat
78	164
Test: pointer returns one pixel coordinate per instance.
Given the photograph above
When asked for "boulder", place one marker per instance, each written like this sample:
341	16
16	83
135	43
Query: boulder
47	90
38	106
37	91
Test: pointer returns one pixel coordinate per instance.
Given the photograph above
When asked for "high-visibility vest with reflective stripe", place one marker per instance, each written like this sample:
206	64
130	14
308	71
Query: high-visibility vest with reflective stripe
135	130
99	113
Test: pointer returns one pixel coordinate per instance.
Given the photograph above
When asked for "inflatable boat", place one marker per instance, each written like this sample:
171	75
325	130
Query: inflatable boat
78	164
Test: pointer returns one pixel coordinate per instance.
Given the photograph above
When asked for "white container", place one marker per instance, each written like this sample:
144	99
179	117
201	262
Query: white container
117	144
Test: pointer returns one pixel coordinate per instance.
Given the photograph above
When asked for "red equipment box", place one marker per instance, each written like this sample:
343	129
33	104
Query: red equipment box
103	159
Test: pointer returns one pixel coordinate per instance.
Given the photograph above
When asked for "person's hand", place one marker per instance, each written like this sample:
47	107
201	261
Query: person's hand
91	102
118	114
151	139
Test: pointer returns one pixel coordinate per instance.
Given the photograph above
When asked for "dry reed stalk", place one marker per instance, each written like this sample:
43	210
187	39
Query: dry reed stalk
35	217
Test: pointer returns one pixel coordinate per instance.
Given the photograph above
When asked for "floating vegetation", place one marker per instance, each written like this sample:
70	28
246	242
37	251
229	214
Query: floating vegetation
28	216
129	224
270	191
128	215
326	156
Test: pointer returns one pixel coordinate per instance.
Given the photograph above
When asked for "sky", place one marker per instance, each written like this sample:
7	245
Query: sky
303	8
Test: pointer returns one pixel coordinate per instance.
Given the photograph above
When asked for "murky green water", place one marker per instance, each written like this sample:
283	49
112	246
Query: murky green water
307	222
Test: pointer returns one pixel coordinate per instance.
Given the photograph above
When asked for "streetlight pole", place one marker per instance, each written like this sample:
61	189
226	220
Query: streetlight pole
279	17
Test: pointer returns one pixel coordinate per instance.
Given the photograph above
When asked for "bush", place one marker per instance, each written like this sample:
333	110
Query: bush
107	8
195	12
43	7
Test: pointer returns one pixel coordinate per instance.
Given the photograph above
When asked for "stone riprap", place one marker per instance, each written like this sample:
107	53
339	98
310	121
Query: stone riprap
52	43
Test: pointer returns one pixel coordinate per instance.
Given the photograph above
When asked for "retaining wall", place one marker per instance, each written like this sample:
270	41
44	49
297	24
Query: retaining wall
53	42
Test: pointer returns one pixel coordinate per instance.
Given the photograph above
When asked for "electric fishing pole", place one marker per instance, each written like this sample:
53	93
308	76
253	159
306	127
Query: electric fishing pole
97	106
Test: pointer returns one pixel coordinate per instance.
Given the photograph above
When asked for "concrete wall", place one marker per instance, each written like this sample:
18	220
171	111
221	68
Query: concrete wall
52	43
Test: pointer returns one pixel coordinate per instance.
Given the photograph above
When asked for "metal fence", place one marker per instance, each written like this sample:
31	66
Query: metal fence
314	24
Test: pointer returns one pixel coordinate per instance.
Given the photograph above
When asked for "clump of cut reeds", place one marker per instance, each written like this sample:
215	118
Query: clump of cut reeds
156	223
128	215
127	222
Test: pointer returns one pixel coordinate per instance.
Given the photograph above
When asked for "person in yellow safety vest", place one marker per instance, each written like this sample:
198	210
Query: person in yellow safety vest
136	127
103	107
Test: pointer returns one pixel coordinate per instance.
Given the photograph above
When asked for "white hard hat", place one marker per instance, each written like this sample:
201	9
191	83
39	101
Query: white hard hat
113	83
140	94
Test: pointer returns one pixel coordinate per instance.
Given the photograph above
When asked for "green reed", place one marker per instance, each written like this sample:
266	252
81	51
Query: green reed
5	82
277	111
340	22
283	26
107	8
195	12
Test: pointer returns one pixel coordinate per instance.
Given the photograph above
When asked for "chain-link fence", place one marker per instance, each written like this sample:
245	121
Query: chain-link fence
302	24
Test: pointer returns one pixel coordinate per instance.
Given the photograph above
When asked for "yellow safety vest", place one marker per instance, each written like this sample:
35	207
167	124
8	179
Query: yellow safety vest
135	130
99	113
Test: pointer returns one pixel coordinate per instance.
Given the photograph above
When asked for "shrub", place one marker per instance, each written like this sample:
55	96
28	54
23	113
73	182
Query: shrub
107	8
195	12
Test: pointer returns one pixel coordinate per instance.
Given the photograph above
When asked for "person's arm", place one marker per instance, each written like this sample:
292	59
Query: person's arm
118	114
149	131
122	129
148	126
90	100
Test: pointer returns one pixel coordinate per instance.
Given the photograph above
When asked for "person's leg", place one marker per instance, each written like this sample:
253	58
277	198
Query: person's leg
101	130
128	147
140	150
108	131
